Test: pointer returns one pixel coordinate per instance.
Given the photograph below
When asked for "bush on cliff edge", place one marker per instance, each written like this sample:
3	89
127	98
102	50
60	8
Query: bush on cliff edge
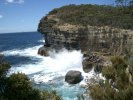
118	84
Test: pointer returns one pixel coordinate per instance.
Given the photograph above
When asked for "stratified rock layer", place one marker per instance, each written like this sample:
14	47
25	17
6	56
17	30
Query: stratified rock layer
88	38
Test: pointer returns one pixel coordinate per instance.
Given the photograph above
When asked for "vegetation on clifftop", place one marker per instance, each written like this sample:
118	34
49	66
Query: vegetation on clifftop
96	15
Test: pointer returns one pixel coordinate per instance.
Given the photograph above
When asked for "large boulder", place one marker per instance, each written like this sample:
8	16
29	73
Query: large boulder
73	77
43	51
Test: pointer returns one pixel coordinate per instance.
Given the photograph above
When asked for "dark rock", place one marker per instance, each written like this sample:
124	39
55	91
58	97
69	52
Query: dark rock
73	77
87	65
43	51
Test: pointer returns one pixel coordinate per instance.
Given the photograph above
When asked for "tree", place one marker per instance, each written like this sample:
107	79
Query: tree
124	3
131	3
119	2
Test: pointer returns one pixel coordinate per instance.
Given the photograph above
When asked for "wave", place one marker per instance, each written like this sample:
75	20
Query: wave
31	51
52	69
56	63
47	68
41	41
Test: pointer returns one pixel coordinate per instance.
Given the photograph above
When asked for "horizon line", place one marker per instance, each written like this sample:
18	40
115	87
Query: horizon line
17	32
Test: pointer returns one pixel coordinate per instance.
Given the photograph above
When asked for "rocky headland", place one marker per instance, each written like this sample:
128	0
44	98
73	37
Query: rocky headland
104	39
96	41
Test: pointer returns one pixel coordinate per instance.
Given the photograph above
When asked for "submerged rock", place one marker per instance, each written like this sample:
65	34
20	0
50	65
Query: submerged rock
73	77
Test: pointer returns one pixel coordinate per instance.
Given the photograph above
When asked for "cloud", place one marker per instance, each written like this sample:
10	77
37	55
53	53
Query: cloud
15	1
1	16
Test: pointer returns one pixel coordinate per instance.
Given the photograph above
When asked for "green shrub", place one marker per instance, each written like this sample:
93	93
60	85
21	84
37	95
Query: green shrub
117	85
19	87
96	15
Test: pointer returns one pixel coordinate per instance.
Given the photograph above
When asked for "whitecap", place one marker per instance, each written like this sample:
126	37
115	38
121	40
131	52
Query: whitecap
48	69
41	41
29	52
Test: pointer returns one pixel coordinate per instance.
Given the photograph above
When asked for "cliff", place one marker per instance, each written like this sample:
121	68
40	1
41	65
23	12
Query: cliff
104	38
98	31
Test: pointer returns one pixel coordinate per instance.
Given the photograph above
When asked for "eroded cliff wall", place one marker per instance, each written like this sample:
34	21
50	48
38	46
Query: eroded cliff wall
87	38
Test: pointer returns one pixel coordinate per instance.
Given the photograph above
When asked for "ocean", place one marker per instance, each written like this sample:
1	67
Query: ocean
20	50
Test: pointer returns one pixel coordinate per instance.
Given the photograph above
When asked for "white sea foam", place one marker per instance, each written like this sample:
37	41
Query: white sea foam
58	63
42	41
32	51
49	68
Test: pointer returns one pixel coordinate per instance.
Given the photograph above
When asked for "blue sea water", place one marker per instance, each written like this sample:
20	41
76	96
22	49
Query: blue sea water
11	41
19	41
20	50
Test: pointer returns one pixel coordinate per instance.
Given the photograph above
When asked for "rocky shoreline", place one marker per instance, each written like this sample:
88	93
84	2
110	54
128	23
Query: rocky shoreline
97	43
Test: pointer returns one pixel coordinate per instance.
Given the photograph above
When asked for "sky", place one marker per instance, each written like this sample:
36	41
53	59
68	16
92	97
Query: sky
24	15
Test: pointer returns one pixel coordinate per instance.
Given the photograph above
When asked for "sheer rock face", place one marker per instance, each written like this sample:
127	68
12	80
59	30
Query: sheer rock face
86	38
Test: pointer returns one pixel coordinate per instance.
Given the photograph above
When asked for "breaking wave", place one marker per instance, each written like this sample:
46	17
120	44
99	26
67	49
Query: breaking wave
51	70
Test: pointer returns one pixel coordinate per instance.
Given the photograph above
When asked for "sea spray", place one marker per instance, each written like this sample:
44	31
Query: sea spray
45	72
61	62
49	72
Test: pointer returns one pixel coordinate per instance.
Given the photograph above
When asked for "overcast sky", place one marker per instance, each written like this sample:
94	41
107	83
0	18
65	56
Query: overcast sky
24	15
